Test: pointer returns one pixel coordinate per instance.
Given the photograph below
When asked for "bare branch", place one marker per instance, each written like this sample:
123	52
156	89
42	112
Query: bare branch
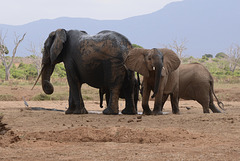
233	56
4	50
37	56
178	47
17	42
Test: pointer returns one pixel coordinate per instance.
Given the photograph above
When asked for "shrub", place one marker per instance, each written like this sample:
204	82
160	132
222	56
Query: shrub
44	97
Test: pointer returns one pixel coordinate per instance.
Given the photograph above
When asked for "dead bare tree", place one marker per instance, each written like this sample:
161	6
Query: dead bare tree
36	56
4	51
234	57
178	47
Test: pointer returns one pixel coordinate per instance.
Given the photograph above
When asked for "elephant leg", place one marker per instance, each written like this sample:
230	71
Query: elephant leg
157	110
135	100
145	99
130	108
101	94
211	104
174	103
76	105
80	108
203	98
205	105
129	105
136	93
164	99
71	103
101	97
107	96
112	108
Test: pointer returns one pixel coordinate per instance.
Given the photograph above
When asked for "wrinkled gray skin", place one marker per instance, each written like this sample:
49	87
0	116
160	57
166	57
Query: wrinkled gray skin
196	83
160	70
122	94
96	60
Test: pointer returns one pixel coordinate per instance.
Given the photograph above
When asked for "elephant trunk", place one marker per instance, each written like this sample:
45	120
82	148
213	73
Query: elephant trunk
158	73
46	74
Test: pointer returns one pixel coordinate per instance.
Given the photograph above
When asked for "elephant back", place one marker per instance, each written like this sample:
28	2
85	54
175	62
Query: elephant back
110	44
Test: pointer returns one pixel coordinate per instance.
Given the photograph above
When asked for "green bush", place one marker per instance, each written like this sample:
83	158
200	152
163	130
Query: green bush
59	71
221	55
24	71
136	46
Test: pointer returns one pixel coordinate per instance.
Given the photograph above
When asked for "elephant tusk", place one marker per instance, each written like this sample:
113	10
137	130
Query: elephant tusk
38	77
154	68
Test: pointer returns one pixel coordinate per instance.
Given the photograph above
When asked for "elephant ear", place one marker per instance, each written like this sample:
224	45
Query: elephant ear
170	61
135	61
57	45
47	45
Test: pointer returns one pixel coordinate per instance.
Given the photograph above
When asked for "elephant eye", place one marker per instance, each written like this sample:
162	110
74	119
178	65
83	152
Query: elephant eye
149	58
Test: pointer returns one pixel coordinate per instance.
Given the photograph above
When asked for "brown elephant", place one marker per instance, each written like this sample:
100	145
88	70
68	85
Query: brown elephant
160	70
196	83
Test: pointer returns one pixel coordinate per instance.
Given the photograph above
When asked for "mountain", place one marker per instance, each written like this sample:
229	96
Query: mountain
209	26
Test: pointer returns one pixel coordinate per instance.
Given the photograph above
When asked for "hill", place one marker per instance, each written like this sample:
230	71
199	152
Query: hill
210	26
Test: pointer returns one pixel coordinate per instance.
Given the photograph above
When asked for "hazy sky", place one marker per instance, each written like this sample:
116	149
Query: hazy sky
17	12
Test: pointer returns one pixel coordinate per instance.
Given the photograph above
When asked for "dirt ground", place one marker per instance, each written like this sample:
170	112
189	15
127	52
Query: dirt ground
38	133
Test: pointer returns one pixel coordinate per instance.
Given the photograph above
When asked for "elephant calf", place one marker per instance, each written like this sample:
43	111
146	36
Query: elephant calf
136	89
196	83
160	70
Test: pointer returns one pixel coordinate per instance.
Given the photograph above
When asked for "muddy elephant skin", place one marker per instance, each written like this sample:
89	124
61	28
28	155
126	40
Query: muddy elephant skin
96	60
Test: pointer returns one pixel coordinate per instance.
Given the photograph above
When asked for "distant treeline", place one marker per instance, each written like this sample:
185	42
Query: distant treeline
219	67
29	71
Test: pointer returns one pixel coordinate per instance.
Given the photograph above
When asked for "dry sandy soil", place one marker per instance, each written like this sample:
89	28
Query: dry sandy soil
44	134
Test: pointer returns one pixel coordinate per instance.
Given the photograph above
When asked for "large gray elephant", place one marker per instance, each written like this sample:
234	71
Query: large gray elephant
160	70
96	60
196	83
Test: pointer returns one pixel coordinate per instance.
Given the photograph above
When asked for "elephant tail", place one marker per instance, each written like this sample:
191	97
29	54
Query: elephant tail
101	93
220	104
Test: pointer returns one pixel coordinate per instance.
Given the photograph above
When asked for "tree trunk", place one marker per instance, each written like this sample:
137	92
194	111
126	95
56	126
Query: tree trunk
7	75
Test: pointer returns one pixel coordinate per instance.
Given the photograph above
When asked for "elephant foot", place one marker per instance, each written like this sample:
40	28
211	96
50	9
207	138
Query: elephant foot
69	111
128	111
217	111
147	112
109	111
206	111
157	113
80	111
176	112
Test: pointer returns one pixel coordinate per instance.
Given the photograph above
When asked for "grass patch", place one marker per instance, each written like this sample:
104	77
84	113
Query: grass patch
57	96
41	97
86	97
218	85
45	97
7	97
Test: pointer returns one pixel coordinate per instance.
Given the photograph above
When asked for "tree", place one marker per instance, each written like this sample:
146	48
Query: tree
136	46
208	55
178	47
4	52
221	55
234	57
37	56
